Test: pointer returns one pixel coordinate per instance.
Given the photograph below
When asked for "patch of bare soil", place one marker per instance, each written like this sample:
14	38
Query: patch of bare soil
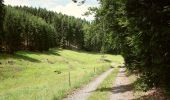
154	94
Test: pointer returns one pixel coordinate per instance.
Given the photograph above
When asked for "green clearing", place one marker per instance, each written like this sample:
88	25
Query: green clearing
104	90
44	76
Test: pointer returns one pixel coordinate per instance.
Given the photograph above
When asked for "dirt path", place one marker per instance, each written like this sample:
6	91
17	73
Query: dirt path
85	92
122	88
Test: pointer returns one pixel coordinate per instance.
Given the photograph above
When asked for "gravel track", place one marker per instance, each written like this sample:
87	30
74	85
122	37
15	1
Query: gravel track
122	88
84	93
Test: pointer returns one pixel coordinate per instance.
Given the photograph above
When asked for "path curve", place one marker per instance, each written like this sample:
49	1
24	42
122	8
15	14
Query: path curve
122	87
85	92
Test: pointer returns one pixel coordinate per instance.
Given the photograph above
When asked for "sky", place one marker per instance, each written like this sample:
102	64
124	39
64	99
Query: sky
63	6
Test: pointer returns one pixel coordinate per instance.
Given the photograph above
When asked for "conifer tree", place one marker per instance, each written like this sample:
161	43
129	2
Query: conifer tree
2	13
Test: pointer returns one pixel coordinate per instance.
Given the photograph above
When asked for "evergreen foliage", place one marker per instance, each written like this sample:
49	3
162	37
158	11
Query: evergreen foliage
27	28
69	28
2	13
139	30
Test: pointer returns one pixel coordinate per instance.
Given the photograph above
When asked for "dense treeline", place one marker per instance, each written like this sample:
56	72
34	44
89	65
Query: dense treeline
139	30
150	28
69	28
98	38
25	31
2	13
27	28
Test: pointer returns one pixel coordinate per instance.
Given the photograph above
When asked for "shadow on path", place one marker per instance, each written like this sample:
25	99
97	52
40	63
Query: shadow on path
118	89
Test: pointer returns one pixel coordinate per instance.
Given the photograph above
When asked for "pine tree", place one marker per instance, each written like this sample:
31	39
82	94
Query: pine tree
2	14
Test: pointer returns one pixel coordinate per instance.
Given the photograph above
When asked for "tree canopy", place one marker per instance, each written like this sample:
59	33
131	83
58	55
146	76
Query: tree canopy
2	13
139	30
27	28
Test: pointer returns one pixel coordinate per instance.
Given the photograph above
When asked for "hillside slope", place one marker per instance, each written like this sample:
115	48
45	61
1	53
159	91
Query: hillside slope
44	76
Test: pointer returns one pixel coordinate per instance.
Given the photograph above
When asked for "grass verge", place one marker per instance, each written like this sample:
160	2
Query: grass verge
104	90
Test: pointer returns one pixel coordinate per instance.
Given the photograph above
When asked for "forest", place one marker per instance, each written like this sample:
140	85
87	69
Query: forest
139	30
38	29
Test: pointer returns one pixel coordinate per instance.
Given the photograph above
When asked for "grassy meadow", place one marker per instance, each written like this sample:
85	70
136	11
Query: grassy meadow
44	76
